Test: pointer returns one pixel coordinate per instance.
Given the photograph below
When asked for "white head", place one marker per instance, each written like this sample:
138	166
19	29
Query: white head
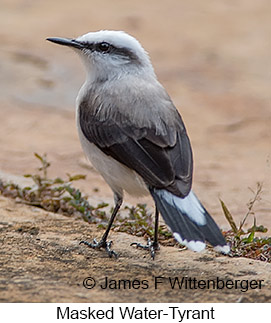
109	54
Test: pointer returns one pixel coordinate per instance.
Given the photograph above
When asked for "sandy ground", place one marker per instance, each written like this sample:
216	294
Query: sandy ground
214	60
42	262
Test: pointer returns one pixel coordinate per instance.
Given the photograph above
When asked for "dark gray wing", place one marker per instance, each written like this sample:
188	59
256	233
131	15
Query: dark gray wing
163	161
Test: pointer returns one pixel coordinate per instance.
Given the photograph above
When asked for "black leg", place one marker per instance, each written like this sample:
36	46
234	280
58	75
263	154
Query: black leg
103	243
151	246
155	240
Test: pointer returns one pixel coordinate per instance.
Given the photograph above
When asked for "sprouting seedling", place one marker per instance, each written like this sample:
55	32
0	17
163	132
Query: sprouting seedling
257	197
44	164
239	230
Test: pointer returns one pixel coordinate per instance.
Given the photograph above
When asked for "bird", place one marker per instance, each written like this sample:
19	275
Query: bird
132	133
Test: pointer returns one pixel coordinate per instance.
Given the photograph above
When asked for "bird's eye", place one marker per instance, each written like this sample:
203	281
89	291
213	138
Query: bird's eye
103	47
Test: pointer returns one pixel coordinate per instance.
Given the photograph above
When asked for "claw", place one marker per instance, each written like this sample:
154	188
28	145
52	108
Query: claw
151	246
101	244
109	251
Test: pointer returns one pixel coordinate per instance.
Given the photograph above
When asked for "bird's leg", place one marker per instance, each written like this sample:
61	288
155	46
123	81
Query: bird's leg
151	246
103	243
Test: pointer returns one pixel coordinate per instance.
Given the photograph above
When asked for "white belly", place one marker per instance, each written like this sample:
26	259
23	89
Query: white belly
119	177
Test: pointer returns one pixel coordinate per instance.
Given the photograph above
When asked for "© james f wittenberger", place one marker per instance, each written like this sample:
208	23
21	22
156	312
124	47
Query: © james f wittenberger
173	283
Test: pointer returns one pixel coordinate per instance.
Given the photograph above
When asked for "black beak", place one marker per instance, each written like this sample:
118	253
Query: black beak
66	42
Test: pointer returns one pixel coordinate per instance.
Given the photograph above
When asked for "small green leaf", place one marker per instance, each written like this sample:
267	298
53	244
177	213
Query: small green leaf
58	180
259	228
250	238
38	156
76	177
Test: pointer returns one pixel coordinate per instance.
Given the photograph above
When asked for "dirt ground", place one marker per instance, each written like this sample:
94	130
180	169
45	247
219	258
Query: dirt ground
214	60
41	261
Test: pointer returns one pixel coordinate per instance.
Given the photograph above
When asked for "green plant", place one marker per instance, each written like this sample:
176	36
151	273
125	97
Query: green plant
54	195
244	243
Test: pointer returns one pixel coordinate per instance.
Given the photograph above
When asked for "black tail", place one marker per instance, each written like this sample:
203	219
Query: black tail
189	221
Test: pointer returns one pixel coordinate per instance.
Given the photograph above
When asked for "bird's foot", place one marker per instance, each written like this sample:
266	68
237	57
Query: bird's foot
151	246
101	244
